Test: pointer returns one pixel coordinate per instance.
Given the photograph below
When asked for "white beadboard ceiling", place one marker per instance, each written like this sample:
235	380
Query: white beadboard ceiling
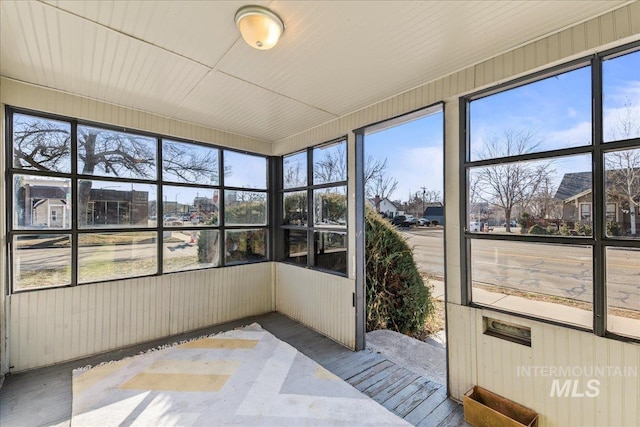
186	59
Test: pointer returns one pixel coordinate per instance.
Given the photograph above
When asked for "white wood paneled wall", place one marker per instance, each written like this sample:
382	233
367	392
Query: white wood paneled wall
322	301
497	365
473	357
55	325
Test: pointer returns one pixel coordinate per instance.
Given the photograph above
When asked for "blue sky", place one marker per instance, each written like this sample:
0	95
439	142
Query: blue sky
557	110
414	153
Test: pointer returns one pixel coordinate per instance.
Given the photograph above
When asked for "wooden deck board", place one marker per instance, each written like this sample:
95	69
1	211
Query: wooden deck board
413	397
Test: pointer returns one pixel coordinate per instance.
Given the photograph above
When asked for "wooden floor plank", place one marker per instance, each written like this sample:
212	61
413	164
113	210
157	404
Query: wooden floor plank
426	406
455	418
385	395
391	376
417	398
376	377
439	414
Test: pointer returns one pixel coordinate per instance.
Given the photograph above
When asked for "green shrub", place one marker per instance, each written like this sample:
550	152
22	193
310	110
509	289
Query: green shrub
397	297
564	230
584	228
613	229
537	229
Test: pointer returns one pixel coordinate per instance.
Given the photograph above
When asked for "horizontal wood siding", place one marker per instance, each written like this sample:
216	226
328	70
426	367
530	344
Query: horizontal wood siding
55	325
321	301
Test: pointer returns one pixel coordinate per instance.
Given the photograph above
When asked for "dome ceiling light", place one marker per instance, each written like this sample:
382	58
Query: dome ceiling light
260	27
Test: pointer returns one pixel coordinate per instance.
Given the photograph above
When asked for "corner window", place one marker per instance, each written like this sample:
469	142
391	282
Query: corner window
314	207
545	200
93	204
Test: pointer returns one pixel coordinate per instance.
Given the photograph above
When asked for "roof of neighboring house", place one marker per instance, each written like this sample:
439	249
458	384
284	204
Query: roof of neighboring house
434	211
572	184
373	202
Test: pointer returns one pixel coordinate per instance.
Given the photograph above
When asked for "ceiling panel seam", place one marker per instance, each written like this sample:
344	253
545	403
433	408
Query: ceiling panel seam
134	37
335	115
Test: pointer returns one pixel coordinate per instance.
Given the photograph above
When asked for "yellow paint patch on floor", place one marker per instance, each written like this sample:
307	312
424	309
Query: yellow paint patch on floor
323	374
231	343
176	382
88	378
195	367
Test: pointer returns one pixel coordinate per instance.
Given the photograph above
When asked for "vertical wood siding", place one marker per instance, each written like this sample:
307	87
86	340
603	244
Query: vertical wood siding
54	325
321	301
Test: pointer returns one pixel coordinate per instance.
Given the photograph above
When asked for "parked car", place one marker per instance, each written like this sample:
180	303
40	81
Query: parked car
512	223
475	227
398	220
425	222
172	221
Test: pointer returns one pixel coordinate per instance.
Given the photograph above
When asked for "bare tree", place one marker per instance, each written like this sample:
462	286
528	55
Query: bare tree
623	180
333	166
623	167
376	180
543	204
46	145
509	184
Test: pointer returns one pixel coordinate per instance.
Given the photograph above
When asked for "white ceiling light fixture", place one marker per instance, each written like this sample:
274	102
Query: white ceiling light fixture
260	27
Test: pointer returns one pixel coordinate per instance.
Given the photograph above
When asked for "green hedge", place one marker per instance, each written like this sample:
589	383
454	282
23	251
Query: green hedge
397	297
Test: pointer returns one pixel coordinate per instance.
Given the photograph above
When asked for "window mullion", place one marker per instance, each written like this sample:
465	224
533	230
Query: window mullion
311	244
599	214
74	204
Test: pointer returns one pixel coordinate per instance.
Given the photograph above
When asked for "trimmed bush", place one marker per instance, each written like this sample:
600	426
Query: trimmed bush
536	229
397	297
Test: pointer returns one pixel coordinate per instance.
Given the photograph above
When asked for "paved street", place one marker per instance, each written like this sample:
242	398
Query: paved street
558	270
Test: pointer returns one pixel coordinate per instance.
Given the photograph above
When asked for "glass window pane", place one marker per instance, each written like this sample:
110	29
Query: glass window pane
189	163
295	170
295	208
104	204
110	256
541	197
621	97
330	163
189	206
244	170
330	206
103	152
41	202
190	249
245	207
40	261
295	246
622	186
542	280
41	144
544	115
331	251
245	245
623	292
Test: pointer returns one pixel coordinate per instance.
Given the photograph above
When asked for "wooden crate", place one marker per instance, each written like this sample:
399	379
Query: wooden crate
483	408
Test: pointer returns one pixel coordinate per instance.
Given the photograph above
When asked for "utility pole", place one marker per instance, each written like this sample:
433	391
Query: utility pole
424	190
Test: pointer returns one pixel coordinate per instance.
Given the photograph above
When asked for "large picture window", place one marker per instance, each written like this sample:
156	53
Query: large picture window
552	176
314	208
93	204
